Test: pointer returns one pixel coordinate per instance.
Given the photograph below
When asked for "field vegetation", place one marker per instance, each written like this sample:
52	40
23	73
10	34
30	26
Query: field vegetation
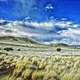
13	67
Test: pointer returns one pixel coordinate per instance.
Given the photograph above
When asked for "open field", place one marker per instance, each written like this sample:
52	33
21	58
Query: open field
24	46
24	60
39	68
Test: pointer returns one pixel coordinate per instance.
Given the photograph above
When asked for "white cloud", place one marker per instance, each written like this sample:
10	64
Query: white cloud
70	32
70	35
52	24
49	6
46	25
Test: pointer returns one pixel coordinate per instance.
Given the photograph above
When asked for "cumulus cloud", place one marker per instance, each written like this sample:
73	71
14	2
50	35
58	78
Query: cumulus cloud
72	36
68	32
54	23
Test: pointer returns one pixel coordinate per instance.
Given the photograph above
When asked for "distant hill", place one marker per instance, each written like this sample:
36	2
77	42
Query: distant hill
26	39
32	41
62	44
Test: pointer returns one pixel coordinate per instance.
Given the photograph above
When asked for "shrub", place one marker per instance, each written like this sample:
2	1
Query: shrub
0	48
3	53
15	39
8	49
58	49
19	49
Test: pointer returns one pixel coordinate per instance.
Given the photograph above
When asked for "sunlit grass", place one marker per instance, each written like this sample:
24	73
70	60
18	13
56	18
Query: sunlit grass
39	68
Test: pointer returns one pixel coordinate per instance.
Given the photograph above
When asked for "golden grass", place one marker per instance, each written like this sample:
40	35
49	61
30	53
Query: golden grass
39	68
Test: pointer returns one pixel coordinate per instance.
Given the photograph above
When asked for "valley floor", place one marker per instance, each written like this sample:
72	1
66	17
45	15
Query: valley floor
29	61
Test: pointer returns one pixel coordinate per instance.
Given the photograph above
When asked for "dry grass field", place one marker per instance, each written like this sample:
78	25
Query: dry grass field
21	60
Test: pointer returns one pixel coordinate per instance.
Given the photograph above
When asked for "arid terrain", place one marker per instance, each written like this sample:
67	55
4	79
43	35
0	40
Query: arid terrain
22	59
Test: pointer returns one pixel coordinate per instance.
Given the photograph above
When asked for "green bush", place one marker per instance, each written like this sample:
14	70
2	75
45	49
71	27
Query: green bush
58	49
19	49
8	49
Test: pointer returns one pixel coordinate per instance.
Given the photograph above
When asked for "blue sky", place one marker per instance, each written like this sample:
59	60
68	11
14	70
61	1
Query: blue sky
40	12
18	9
69	8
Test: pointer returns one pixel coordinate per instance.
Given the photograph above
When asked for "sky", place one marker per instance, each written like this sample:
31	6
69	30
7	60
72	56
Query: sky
58	20
40	9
